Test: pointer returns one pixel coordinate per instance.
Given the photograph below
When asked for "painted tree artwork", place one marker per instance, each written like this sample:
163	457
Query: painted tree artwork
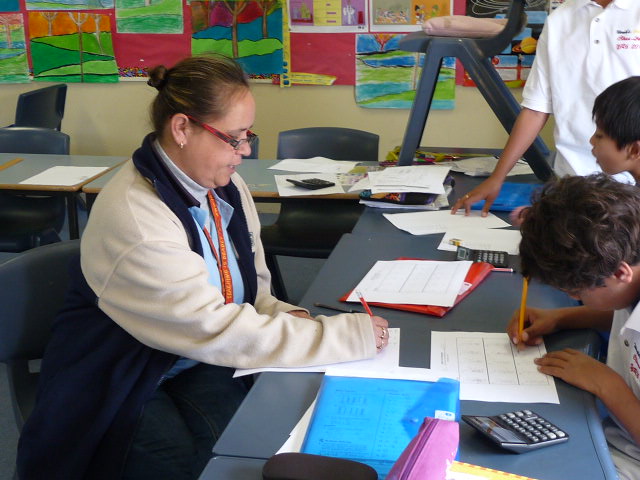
149	16
14	67
72	47
387	77
68	4
248	30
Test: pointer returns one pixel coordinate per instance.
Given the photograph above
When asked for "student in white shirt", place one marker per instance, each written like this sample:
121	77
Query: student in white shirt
582	235
585	46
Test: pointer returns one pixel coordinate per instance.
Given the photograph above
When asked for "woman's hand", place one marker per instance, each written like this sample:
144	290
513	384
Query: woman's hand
537	322
578	369
487	191
381	332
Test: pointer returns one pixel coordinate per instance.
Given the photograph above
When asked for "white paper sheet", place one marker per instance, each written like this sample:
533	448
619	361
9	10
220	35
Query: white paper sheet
388	359
483	166
314	164
64	175
287	189
424	223
424	179
491	369
414	282
485	239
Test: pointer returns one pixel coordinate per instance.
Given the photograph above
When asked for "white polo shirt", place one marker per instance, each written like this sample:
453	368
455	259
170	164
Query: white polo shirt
582	49
624	357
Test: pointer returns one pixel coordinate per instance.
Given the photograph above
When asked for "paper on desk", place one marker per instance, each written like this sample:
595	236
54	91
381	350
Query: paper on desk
387	360
483	166
485	239
64	175
314	164
413	282
422	178
491	369
425	223
286	189
296	437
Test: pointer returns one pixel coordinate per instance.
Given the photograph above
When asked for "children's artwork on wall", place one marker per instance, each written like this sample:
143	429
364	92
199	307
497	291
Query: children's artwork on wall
514	64
149	16
9	5
68	4
405	15
330	16
14	67
72	47
248	30
387	77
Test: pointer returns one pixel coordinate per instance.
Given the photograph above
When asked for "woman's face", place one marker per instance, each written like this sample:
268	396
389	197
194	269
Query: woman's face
209	160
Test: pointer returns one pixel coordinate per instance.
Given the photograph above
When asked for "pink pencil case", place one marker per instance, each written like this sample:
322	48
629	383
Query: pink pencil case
430	453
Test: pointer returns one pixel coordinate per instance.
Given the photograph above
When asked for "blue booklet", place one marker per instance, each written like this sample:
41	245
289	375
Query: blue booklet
511	196
372	420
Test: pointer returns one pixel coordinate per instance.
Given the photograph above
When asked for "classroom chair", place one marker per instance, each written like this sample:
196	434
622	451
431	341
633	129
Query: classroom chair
475	54
31	220
43	107
312	229
34	287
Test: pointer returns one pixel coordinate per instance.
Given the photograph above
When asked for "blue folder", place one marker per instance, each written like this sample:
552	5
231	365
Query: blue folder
511	196
372	420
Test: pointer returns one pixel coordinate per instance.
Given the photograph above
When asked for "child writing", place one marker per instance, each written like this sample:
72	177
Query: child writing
582	235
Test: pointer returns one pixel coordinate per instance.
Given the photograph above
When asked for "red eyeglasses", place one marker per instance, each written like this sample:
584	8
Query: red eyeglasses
236	143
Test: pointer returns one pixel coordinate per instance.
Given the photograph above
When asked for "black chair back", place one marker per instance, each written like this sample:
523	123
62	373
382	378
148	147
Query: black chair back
33	140
331	142
34	288
43	107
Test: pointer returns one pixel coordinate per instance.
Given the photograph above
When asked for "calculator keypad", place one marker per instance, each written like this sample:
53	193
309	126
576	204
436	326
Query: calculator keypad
532	426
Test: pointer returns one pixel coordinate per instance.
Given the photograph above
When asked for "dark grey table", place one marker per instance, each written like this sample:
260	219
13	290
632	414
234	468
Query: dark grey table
278	400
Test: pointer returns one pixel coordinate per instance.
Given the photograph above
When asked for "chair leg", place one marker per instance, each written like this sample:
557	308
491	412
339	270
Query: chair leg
277	283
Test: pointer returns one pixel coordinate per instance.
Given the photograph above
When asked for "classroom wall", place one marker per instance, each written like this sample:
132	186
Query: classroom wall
111	119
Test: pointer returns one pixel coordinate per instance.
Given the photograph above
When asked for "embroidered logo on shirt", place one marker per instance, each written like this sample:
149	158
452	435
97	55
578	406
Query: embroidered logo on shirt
634	367
628	39
252	241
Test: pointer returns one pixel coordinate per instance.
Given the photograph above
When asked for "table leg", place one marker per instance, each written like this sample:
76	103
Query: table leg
72	216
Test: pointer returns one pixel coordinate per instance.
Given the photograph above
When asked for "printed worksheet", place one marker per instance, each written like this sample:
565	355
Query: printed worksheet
491	369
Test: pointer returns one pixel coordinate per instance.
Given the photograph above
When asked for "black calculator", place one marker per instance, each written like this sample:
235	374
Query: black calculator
311	183
519	431
496	258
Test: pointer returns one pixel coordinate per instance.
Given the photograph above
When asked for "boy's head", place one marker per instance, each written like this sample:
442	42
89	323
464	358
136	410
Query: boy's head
616	141
579	231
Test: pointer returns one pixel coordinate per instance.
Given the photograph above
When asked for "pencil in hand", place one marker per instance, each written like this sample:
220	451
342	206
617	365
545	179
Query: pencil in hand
523	306
364	303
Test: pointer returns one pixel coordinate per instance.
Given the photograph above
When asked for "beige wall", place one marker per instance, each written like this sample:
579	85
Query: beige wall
112	119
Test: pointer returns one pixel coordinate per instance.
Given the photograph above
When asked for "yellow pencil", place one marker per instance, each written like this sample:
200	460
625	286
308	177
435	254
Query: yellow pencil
523	306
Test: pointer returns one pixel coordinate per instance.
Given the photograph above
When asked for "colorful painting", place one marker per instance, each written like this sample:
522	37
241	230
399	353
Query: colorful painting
405	15
9	5
514	64
14	67
248	30
72	47
328	15
149	16
387	77
68	4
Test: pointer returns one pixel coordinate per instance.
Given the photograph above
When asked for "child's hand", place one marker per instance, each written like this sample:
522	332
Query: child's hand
576	368
537	322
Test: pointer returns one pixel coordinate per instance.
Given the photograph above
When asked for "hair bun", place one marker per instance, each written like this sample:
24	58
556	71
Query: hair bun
158	77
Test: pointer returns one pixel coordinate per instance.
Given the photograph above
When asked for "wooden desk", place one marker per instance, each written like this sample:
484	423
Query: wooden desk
32	164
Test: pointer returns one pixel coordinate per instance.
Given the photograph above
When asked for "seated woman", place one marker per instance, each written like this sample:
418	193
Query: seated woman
170	293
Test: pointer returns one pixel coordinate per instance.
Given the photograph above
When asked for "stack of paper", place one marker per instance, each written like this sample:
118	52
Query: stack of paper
483	166
423	179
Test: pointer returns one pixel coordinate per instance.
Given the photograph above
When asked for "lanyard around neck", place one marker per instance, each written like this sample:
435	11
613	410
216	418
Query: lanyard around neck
222	259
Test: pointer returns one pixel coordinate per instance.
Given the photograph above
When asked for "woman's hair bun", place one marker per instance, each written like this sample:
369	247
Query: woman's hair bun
158	77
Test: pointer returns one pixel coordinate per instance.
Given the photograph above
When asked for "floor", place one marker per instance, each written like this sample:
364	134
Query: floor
298	275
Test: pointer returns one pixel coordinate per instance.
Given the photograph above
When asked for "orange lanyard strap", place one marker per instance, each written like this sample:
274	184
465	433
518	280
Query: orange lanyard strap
222	260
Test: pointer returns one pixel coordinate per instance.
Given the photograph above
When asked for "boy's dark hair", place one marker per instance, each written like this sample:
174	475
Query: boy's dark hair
616	111
578	230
